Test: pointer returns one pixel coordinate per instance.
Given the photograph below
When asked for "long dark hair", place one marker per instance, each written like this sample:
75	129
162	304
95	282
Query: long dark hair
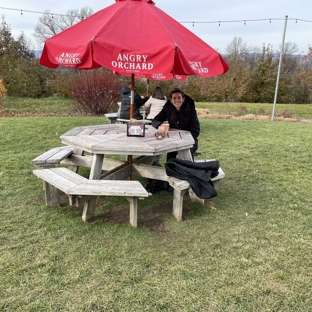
175	113
158	94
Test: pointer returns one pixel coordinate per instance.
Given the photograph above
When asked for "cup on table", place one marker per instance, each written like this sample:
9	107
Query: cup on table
161	131
166	127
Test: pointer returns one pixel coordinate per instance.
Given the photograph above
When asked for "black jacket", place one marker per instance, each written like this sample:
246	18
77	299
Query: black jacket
197	174
187	118
125	104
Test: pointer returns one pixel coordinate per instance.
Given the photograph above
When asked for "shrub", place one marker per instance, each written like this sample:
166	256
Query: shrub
96	92
3	92
286	113
241	110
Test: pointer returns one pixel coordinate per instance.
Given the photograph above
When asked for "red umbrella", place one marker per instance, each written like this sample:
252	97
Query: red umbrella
133	37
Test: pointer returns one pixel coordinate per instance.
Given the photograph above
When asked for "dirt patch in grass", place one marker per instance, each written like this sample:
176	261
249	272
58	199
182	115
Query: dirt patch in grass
153	217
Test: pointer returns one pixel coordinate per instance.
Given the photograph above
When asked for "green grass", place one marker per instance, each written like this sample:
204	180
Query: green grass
248	249
51	106
59	106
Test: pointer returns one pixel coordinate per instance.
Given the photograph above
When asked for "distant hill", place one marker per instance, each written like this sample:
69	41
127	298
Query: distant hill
37	53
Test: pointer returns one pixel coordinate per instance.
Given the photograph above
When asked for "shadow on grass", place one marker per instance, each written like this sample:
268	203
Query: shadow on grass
152	217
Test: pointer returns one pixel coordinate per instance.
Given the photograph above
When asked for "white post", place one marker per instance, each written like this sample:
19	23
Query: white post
279	69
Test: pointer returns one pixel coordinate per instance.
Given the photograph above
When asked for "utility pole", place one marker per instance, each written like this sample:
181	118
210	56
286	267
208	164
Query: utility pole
279	69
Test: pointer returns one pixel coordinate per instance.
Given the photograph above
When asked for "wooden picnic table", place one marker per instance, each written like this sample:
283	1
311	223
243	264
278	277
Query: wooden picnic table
111	139
87	147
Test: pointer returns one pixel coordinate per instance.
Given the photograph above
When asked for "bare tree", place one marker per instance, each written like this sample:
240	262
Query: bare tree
237	49
290	48
51	24
290	61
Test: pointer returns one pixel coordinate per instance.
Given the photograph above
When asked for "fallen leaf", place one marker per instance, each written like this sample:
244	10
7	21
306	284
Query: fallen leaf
212	207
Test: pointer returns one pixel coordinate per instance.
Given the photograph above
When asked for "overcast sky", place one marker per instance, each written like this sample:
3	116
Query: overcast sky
253	33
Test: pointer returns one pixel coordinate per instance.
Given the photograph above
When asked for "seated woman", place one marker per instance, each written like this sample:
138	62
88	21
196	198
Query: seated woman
155	103
180	112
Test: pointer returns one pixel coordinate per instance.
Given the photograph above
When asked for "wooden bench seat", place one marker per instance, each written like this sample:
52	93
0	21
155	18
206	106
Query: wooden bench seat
112	117
180	186
76	186
52	157
124	121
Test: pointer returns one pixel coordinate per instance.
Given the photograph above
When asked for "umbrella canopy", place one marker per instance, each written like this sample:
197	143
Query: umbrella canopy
133	37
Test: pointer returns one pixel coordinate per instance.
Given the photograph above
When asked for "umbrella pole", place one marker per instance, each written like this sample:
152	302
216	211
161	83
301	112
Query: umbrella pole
147	87
132	96
131	114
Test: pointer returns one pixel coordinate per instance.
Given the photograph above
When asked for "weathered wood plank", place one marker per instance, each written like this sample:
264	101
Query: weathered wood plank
110	188
178	204
133	211
88	209
86	161
53	156
178	184
120	173
78	187
149	171
52	195
79	152
96	166
63	184
185	154
69	175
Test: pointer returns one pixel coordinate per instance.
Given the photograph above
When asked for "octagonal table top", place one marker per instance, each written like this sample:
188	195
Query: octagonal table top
113	139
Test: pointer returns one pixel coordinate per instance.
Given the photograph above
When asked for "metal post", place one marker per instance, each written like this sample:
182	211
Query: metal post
279	69
132	97
147	87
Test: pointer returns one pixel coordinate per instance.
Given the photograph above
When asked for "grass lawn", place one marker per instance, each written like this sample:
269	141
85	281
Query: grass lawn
248	249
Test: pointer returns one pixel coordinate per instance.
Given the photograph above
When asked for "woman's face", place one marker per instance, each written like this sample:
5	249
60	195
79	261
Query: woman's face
177	100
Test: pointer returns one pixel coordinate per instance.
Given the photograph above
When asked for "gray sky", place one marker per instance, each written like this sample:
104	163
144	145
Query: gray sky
254	33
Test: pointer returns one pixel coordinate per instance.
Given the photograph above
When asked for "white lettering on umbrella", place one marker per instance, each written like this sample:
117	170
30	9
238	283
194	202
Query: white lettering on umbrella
197	66
158	76
132	62
132	57
68	59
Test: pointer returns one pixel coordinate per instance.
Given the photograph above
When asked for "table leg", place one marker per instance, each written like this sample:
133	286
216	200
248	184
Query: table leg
133	211
96	167
88	209
185	155
178	203
76	151
95	174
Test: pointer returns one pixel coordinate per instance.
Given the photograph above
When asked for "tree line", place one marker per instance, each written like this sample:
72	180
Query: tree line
251	77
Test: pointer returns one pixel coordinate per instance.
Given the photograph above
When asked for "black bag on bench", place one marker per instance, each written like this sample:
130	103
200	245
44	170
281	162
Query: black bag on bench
197	174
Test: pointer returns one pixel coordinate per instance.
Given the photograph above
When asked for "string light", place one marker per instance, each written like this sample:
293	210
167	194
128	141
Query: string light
247	20
32	11
183	22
